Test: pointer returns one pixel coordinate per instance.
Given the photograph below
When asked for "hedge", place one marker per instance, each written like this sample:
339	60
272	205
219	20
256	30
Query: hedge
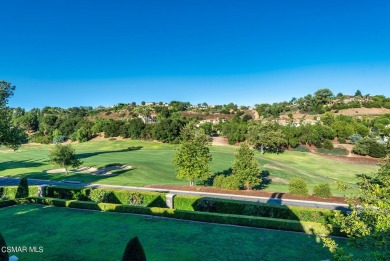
260	222
7	203
9	192
191	203
136	198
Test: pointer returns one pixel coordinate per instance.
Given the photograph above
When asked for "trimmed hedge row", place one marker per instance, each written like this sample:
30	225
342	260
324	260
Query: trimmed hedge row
260	222
191	203
9	192
7	203
135	198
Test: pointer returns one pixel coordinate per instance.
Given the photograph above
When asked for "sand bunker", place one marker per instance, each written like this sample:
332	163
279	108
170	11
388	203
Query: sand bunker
92	171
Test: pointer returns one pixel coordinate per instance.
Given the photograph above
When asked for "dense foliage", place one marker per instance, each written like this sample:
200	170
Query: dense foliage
64	156
368	224
278	127
246	168
11	135
193	156
298	186
322	190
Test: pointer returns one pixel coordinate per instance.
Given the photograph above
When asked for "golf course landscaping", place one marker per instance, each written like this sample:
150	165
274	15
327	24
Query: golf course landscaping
151	163
71	234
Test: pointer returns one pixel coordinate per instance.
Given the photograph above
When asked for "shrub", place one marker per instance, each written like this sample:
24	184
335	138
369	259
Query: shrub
377	150
322	190
39	138
360	149
59	139
147	199
226	182
342	140
328	145
370	147
9	192
68	193
134	251
298	186
301	148
22	190
223	206
100	195
355	138
7	203
335	151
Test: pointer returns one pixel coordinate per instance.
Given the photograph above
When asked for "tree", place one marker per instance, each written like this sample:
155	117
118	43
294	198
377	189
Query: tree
193	156
266	136
323	96
245	167
207	127
11	136
64	156
358	94
367	225
134	251
168	130
22	190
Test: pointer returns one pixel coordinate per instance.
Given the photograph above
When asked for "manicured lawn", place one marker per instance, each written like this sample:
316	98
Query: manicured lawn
71	234
152	164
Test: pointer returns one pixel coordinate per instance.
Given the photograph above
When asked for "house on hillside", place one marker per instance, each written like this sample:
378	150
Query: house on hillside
212	121
149	118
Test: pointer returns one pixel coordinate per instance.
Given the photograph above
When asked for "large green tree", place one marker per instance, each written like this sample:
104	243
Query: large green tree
10	135
266	135
246	169
368	223
64	156
193	156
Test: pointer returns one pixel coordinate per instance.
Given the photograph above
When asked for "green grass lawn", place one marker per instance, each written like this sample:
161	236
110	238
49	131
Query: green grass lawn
152	164
72	234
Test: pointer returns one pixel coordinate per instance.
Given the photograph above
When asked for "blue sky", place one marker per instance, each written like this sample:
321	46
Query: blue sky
72	53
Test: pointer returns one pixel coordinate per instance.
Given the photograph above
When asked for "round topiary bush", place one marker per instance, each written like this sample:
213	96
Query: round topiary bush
298	186
322	190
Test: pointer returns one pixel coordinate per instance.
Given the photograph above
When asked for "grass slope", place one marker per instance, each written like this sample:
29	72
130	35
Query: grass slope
152	164
71	234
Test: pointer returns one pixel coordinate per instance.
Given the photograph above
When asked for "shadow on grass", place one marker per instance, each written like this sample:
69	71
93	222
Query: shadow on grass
85	178
91	154
19	164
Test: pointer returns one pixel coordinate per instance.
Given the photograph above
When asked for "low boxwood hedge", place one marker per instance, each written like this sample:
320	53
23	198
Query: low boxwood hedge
135	198
260	222
9	192
7	203
191	203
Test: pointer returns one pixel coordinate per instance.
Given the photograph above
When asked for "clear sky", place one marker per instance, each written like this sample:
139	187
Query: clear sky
90	52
